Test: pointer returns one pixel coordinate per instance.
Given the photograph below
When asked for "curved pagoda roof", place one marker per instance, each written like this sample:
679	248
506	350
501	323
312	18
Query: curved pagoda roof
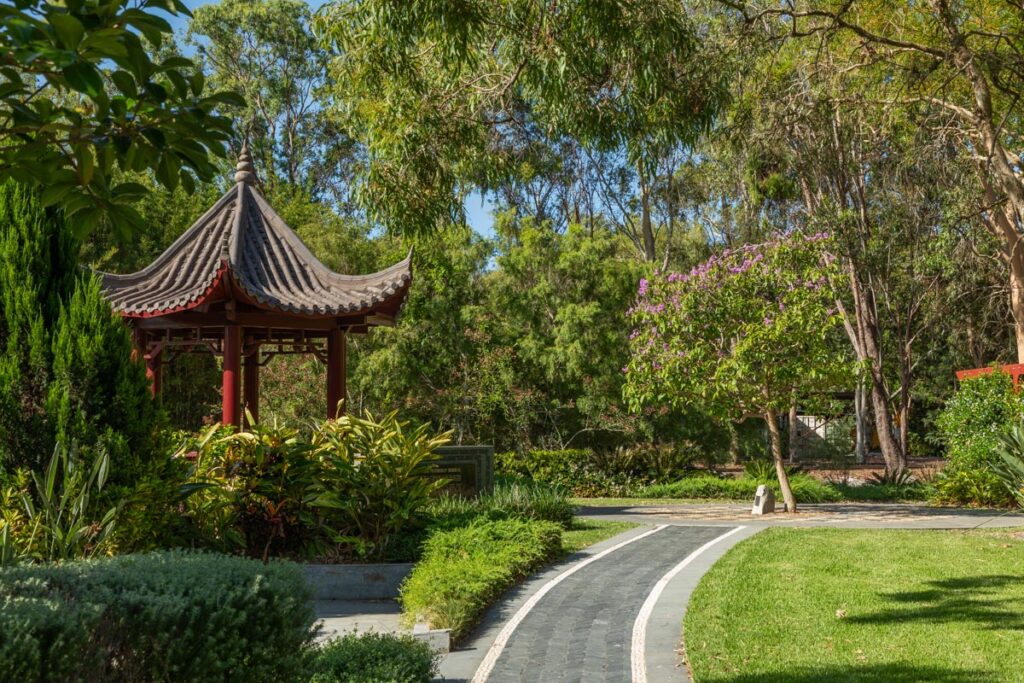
242	250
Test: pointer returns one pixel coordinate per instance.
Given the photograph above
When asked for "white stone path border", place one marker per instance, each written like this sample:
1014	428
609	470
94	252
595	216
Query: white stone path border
498	646
638	649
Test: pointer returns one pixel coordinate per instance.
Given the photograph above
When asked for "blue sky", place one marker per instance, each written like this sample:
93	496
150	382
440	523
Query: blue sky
478	208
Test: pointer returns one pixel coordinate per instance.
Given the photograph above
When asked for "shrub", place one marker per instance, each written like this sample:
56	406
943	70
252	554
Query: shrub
374	658
99	397
978	487
168	616
531	500
971	425
510	499
1009	469
879	493
806	489
464	569
576	471
37	265
648	462
374	477
352	488
253	489
975	416
58	521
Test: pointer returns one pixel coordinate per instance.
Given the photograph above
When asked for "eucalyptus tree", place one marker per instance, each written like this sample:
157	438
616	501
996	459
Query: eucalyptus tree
828	139
265	50
961	65
83	98
433	90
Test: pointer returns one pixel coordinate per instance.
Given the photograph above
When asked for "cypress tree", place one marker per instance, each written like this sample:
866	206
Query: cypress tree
66	372
98	396
37	270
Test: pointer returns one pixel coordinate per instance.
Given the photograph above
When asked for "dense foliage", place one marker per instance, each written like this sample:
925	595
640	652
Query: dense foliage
169	616
446	96
1009	465
589	473
509	499
515	337
972	425
86	95
346	489
805	489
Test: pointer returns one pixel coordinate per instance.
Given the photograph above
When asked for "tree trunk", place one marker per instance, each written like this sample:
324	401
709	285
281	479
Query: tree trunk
895	459
734	444
772	418
862	433
646	225
794	425
1017	296
905	399
864	334
1011	244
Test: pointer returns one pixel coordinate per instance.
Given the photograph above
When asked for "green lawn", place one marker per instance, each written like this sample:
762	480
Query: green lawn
586	532
808	605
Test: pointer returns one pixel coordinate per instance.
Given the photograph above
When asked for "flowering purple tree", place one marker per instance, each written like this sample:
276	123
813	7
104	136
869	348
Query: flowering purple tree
742	334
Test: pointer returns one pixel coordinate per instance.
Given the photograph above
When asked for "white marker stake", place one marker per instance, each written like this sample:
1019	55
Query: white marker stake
498	646
637	650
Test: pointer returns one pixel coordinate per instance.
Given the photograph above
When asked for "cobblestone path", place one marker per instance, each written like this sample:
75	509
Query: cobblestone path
581	630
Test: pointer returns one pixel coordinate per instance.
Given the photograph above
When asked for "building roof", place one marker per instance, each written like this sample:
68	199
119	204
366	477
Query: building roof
243	247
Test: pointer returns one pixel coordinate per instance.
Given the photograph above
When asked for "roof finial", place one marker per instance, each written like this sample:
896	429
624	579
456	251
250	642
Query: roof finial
245	172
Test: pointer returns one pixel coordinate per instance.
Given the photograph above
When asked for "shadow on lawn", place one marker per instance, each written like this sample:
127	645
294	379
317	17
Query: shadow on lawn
879	673
975	599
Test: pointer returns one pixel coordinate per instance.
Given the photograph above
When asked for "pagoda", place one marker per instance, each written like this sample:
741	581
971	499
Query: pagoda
240	283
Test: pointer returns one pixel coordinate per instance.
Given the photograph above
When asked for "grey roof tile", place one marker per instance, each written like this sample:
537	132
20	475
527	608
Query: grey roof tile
242	238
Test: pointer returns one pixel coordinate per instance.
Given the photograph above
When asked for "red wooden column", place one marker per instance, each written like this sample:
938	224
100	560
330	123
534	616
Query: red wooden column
251	379
336	379
140	351
153	372
231	380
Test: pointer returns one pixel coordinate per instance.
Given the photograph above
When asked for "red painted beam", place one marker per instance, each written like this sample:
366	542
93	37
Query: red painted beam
1014	370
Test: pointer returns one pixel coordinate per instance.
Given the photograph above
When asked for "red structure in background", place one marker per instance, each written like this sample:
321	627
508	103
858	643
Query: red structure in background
1014	370
241	284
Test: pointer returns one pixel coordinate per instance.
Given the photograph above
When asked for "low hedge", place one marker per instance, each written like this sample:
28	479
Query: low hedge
806	489
886	493
523	499
164	616
374	658
574	470
463	570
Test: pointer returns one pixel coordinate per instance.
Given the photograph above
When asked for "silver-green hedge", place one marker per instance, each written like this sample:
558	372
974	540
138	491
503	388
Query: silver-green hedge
166	616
